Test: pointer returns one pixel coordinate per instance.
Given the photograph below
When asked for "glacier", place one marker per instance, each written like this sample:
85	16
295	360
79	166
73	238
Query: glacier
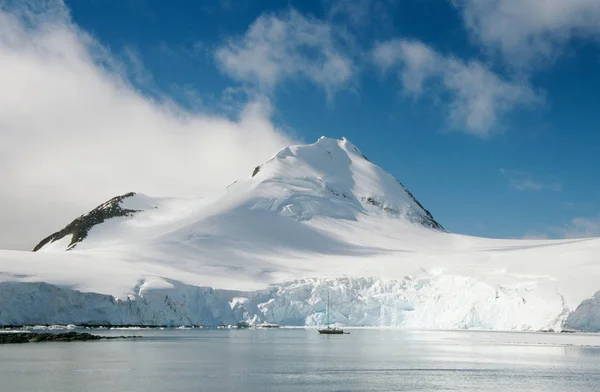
446	302
314	220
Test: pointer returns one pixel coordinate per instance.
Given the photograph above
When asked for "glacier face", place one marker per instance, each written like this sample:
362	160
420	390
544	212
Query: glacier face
320	217
587	315
445	302
42	303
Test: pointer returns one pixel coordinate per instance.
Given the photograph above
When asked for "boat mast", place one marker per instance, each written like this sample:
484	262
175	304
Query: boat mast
327	311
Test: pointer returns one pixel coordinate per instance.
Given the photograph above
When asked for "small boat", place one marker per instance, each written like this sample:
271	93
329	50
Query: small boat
332	331
329	330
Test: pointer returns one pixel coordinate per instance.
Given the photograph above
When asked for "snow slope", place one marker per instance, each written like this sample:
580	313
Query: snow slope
313	219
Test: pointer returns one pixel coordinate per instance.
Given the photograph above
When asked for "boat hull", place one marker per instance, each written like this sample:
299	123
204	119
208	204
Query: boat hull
331	331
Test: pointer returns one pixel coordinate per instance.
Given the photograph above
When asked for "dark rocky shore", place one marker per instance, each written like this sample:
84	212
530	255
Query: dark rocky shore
29	337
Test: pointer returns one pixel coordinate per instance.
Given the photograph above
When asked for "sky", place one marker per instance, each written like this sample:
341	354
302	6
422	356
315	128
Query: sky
487	110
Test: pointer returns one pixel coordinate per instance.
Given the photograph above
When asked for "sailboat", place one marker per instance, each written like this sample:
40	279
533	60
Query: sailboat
330	330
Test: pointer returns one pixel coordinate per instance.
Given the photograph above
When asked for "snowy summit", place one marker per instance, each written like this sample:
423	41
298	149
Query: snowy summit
313	219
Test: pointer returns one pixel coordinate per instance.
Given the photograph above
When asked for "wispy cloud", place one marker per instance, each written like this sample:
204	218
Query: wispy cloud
529	32
580	227
285	46
523	181
74	130
135	69
359	14
477	96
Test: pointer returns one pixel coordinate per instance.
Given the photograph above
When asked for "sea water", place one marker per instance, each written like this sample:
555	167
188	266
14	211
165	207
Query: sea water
302	360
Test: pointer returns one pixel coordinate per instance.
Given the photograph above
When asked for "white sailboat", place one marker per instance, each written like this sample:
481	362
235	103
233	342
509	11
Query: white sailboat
328	330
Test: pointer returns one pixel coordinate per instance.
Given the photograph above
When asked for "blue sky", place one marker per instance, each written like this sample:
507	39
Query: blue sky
486	110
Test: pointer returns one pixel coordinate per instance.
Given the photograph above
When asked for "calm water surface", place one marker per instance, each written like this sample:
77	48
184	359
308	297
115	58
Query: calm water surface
303	360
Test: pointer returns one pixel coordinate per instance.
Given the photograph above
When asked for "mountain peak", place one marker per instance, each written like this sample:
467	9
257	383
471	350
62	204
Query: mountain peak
332	177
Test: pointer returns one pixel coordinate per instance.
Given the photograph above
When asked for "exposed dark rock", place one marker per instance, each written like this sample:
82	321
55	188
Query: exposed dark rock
361	154
26	337
550	330
80	227
424	218
256	170
337	193
106	326
431	222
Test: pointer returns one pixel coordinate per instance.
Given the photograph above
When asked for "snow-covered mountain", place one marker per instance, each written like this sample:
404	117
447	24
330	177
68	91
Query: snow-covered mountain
328	179
313	219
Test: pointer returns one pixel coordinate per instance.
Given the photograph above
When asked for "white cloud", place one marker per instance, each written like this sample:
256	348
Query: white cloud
523	181
287	46
528	32
477	96
580	228
74	132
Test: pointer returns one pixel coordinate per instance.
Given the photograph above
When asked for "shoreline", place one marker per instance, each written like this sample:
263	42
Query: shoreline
61	327
33	337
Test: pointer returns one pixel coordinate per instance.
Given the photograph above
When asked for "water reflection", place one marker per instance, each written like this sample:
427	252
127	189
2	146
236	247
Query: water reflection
303	360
